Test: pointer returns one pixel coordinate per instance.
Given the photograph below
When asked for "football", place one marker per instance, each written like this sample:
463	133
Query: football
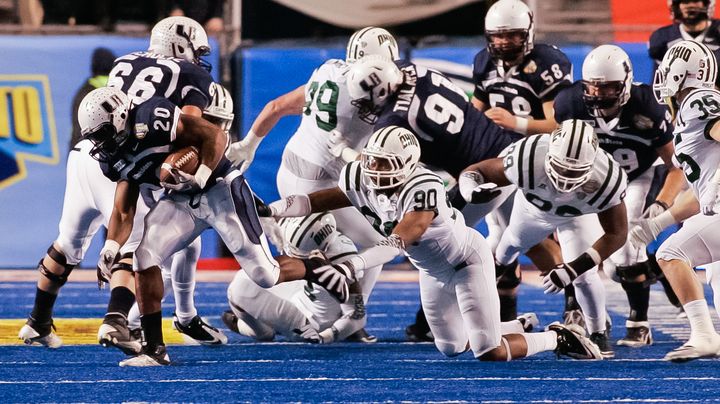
186	160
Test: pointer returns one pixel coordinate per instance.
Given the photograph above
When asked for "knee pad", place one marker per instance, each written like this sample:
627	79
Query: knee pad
58	257
450	349
506	276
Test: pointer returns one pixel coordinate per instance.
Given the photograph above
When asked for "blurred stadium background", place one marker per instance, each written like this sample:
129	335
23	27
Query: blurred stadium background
262	49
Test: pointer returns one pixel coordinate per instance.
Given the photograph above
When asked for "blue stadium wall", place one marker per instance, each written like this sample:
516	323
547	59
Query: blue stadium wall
32	170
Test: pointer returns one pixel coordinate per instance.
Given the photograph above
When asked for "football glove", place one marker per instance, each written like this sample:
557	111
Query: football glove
242	153
311	335
559	277
655	209
474	189
184	182
336	143
108	255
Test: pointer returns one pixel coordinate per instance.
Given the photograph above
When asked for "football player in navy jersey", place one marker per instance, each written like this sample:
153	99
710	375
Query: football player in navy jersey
635	131
692	19
131	145
515	79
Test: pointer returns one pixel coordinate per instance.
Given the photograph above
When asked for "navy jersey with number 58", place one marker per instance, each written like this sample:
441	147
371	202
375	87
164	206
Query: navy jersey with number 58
522	89
633	137
143	75
452	133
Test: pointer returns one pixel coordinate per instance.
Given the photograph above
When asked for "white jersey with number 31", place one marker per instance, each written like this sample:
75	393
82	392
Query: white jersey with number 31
328	107
697	153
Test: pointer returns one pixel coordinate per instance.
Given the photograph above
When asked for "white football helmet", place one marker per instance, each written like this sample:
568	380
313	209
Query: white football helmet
687	64
694	14
180	37
571	155
371	41
220	110
370	82
509	16
102	116
304	235
390	157
607	78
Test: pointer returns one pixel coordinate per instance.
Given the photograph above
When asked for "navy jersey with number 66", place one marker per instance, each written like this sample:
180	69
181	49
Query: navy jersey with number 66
452	133
143	75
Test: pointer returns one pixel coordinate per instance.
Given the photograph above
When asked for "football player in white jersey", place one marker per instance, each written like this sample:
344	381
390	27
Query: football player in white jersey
408	205
562	178
685	81
300	310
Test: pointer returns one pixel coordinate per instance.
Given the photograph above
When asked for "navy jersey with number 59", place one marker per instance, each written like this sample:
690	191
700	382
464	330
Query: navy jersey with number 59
142	75
633	137
522	89
452	133
151	130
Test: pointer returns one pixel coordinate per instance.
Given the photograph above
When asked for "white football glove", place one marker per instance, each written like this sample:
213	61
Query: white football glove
336	143
273	232
643	233
184	182
474	189
560	276
242	153
311	335
107	257
654	209
709	200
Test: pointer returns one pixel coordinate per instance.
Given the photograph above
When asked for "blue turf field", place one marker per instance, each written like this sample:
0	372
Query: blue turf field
390	370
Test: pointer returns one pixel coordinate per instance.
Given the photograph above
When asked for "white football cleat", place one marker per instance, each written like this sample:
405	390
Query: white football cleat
47	338
158	357
695	348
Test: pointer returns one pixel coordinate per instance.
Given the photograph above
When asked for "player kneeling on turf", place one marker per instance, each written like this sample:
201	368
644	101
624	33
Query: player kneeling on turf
408	205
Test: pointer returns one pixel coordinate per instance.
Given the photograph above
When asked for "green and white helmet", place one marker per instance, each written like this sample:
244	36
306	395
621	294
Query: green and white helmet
304	235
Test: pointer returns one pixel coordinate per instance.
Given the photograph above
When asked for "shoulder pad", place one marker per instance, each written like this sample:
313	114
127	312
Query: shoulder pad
702	104
350	178
482	63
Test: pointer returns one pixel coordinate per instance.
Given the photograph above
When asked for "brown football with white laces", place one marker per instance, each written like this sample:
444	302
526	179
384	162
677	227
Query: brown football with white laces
186	160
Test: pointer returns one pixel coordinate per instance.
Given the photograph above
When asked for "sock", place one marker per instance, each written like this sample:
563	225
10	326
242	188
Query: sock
508	308
712	272
184	301
590	293
134	317
570	299
699	316
121	300
639	300
152	330
540	342
511	327
43	307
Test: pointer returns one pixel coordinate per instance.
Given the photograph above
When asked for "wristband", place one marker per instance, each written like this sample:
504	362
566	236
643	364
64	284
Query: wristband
292	206
521	125
202	175
349	155
663	204
663	220
112	246
586	261
252	139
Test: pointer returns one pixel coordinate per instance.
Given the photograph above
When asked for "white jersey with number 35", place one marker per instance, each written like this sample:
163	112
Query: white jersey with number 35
524	164
328	107
697	152
444	242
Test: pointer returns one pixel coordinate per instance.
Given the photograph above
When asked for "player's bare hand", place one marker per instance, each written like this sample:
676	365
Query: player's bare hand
336	143
501	117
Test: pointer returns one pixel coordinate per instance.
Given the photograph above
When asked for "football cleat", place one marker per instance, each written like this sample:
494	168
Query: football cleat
156	357
43	334
416	334
695	349
361	336
638	334
248	326
574	345
575	320
117	334
200	331
529	322
602	340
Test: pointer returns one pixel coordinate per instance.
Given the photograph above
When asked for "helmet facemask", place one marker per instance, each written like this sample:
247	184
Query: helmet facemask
690	15
509	45
604	99
106	142
382	170
197	53
566	174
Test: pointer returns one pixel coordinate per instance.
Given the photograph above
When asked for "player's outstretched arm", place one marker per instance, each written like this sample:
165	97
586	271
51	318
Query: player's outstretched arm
674	183
120	226
522	125
614	223
479	183
242	153
648	229
303	205
210	140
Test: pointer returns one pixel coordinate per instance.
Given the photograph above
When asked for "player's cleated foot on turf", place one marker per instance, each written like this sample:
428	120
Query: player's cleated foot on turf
638	334
361	336
417	334
248	326
575	319
116	333
154	357
201	332
43	334
695	348
529	322
574	345
602	340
